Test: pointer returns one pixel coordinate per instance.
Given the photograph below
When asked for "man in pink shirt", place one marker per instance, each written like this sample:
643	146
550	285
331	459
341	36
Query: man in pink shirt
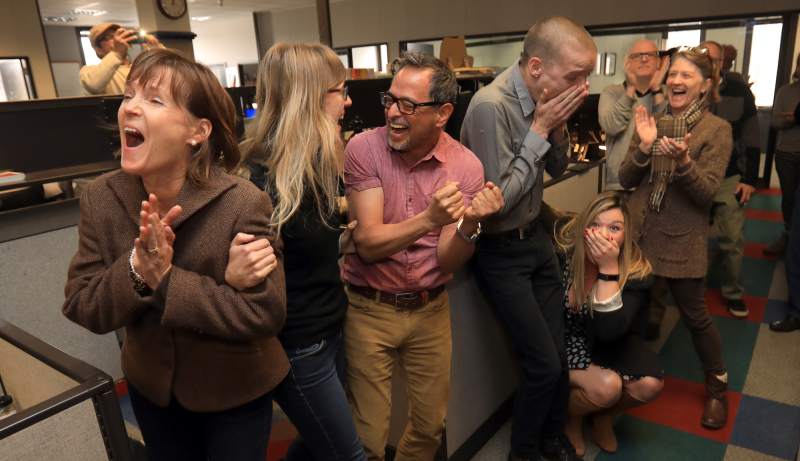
418	196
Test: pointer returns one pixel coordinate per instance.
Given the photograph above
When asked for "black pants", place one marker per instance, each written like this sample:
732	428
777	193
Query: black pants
176	434
522	281
788	167
792	261
689	295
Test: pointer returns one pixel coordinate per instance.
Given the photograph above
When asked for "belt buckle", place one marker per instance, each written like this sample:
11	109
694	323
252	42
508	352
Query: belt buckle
406	300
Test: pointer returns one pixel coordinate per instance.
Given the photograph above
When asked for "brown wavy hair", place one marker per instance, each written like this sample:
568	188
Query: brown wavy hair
196	89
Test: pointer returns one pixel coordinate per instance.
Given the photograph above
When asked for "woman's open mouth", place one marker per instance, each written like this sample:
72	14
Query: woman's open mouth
133	137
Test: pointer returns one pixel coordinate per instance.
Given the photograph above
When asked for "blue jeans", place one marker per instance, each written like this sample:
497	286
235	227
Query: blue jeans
314	399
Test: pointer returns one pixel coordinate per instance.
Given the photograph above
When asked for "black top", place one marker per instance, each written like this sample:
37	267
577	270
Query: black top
613	339
315	299
740	111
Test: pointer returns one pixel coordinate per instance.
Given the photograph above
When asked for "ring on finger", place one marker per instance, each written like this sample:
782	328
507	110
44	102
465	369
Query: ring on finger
152	251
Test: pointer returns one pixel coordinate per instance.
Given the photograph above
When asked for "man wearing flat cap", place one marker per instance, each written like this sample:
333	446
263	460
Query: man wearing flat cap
111	43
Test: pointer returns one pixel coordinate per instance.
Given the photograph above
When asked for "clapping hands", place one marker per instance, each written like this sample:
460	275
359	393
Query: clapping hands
152	256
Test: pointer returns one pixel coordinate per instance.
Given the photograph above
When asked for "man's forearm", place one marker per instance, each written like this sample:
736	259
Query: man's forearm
379	241
453	250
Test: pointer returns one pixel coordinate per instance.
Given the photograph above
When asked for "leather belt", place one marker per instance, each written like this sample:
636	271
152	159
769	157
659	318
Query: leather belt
521	233
402	301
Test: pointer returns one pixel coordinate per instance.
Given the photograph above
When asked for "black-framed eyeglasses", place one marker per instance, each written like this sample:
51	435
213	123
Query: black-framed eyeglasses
405	106
344	91
648	55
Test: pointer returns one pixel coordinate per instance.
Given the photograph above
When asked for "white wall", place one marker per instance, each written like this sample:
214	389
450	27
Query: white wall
21	34
230	40
619	44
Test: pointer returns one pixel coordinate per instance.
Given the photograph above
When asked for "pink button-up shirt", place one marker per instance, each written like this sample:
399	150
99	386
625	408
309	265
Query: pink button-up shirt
407	191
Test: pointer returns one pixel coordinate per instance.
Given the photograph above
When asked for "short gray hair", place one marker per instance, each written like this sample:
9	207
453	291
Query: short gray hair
444	86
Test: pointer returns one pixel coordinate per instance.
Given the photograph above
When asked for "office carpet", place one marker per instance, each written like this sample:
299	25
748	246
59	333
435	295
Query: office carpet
763	367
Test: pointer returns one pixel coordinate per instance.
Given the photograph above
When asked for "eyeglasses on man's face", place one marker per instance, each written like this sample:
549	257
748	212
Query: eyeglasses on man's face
643	56
405	106
344	91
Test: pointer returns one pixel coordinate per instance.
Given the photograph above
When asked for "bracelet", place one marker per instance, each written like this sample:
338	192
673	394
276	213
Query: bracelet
608	277
463	235
658	91
139	285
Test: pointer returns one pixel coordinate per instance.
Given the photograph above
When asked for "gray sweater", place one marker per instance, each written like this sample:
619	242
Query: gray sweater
786	100
615	113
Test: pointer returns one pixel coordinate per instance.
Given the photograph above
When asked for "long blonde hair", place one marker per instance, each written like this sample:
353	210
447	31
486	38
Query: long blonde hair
293	137
569	238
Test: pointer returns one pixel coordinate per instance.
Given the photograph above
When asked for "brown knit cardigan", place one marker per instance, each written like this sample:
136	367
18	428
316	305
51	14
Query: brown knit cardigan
675	240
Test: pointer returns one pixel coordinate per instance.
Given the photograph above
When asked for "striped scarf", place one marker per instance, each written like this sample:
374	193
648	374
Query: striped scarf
662	167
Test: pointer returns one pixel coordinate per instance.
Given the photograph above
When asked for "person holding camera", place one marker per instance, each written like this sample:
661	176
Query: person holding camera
111	42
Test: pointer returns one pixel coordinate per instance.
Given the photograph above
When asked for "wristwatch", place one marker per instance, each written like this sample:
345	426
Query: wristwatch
463	235
608	277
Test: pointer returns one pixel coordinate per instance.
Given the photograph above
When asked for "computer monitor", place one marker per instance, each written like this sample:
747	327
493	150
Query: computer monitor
47	134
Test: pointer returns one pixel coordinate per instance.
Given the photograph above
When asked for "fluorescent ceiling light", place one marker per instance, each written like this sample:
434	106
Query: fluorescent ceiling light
200	18
88	12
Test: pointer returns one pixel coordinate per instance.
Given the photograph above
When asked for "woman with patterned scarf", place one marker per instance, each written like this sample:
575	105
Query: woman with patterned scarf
676	162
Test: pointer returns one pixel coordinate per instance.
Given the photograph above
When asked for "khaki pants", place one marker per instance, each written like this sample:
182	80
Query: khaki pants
729	221
376	335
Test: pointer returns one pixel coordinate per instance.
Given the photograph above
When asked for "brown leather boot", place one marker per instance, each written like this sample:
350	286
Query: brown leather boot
603	422
715	414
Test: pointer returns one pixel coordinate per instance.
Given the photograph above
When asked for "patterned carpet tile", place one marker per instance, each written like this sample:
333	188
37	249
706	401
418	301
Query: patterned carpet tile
640	440
775	367
734	453
767	201
757	275
680	360
762	231
763	215
768	427
680	407
756	251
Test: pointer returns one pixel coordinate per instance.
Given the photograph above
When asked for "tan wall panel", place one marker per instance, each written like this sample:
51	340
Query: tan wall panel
21	34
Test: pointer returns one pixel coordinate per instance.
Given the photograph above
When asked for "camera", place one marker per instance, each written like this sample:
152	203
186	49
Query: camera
139	37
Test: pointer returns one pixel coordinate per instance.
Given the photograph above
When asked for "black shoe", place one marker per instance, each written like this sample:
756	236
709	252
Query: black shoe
737	308
558	448
789	323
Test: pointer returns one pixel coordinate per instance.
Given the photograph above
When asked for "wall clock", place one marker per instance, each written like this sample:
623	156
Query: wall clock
173	9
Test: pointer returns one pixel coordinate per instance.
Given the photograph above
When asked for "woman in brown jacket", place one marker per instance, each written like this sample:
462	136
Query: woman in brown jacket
676	164
201	357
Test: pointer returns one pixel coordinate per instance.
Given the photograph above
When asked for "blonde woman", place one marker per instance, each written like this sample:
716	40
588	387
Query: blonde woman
606	300
295	154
